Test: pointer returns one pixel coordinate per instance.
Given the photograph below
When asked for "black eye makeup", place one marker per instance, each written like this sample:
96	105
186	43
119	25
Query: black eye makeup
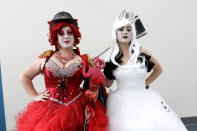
61	33
128	30
69	32
121	29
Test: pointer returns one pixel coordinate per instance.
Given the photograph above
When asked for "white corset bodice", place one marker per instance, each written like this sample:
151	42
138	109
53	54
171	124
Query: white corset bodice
131	77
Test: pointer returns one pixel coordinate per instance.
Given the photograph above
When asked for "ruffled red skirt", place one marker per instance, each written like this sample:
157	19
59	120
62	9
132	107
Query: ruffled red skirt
52	116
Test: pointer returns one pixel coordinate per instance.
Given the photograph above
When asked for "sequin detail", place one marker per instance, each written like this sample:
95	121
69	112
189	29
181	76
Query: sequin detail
57	71
71	101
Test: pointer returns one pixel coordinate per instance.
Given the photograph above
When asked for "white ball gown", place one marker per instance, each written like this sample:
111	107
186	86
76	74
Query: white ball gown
132	107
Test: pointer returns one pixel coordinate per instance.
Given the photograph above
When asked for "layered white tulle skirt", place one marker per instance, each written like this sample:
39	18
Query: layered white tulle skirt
141	111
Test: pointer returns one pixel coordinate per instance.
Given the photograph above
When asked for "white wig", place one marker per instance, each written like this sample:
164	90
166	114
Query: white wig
124	19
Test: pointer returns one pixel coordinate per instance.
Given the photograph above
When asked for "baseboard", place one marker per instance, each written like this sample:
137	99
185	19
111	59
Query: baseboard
189	120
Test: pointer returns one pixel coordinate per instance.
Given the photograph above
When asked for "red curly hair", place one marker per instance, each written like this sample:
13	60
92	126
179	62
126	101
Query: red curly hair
57	28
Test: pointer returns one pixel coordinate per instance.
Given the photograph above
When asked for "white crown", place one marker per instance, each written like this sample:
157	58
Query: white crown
127	15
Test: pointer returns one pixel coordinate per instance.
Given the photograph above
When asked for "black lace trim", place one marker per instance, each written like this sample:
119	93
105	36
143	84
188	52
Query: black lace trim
109	68
149	64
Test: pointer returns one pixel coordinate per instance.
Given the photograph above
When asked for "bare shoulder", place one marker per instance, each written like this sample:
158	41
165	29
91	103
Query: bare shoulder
38	63
153	59
146	51
42	58
34	69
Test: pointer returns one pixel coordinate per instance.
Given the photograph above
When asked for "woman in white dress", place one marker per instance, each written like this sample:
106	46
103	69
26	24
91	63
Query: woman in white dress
134	106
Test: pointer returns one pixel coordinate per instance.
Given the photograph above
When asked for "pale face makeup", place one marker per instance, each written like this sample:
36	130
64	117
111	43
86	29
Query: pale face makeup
124	34
65	37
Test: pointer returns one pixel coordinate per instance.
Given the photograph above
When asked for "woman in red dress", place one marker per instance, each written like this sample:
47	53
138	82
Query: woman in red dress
64	106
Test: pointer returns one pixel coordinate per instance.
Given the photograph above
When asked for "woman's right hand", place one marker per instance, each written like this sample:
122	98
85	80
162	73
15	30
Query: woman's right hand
91	95
41	96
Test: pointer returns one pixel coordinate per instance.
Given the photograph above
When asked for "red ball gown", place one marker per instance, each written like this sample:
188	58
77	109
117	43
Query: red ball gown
64	110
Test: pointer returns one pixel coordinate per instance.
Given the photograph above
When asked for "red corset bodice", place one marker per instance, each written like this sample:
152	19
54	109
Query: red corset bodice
63	84
65	108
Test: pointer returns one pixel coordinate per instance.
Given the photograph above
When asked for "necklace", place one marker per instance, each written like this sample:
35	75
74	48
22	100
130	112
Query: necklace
64	59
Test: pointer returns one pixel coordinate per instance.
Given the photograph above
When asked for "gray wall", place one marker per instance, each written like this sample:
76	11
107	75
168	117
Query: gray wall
171	26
